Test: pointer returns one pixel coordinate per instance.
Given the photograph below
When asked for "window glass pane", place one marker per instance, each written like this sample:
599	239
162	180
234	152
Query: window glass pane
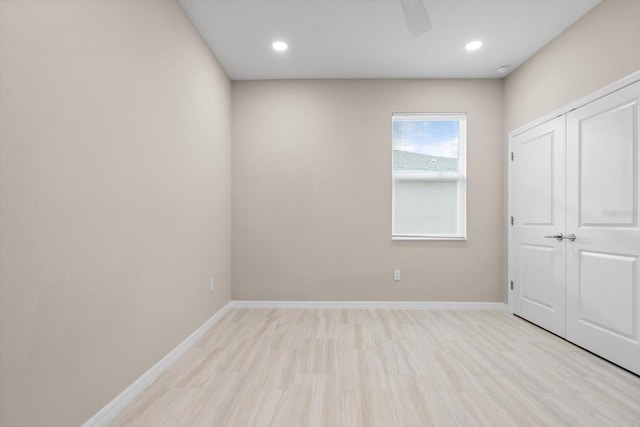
425	146
426	207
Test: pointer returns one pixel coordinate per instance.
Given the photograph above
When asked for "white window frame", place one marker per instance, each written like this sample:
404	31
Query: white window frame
460	177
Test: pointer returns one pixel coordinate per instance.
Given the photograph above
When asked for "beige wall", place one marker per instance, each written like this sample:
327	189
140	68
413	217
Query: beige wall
311	192
115	197
600	48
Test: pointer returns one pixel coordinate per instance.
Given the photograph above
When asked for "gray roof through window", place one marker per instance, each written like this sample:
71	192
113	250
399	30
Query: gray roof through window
408	161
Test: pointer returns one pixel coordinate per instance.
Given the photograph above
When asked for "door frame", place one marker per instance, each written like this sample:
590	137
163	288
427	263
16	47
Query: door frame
604	91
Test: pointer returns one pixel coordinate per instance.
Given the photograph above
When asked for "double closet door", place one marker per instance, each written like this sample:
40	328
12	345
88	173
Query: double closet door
575	245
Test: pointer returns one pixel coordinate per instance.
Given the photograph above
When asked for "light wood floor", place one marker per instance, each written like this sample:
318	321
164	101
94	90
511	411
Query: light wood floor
294	367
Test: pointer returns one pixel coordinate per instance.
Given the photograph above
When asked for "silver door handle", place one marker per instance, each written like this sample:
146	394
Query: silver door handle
558	236
570	236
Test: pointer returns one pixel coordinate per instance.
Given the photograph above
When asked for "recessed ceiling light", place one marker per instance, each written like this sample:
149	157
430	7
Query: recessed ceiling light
502	69
474	45
279	46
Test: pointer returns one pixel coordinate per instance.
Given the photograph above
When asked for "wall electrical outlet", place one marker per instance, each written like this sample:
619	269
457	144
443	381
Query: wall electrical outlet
396	275
212	284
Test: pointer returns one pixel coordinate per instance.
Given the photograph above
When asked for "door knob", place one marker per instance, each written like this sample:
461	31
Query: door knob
570	236
558	236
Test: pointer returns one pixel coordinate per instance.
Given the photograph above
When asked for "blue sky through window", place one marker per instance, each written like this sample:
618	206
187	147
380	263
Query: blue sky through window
435	138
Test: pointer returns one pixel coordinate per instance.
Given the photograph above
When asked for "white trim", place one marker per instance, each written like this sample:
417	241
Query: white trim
113	408
460	177
604	91
366	305
509	226
450	238
427	116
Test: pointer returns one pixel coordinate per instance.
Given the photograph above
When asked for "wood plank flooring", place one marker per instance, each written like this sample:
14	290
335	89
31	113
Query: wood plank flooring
305	367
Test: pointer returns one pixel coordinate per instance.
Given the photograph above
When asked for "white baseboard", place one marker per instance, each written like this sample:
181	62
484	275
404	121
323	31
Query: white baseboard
388	305
113	408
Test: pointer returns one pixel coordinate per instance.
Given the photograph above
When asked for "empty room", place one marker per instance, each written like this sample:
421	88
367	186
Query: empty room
319	213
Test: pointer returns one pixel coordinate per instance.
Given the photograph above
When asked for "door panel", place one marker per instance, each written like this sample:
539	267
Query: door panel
606	289
607	166
603	298
537	196
538	209
536	278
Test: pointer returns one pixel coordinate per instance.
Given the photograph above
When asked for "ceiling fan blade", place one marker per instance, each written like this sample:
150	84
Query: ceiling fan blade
416	16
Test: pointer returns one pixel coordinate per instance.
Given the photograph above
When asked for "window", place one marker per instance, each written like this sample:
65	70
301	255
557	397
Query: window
429	185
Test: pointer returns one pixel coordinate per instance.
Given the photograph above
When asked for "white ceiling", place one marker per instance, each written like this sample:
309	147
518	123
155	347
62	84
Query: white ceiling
369	38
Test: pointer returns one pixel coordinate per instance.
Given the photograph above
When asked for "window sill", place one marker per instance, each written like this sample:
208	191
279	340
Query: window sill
427	238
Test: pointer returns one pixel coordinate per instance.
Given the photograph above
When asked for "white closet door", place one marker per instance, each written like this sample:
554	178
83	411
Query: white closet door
603	267
538	173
